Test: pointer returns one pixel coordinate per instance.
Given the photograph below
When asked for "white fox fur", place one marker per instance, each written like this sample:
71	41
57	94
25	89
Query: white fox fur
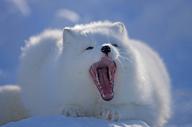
54	75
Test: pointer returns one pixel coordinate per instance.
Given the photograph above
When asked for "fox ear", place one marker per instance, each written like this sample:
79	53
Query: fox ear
67	33
119	27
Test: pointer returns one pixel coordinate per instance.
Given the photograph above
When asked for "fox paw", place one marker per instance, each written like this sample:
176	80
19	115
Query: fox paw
72	111
109	114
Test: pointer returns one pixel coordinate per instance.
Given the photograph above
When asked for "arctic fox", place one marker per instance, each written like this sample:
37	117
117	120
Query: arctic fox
94	70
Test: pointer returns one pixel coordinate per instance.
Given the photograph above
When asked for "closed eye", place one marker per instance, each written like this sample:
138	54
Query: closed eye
115	45
89	48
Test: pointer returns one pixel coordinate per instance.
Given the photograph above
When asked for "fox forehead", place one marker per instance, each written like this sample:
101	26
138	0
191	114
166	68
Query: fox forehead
96	33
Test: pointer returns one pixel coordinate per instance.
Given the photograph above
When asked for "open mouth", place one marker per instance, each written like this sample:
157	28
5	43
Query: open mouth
103	74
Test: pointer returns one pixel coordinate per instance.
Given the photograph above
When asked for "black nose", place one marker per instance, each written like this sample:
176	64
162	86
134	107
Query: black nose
106	49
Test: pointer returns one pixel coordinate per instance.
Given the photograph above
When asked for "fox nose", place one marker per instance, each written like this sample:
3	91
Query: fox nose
106	49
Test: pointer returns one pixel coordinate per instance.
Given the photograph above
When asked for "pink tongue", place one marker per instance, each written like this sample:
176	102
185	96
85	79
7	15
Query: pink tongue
106	86
103	76
102	73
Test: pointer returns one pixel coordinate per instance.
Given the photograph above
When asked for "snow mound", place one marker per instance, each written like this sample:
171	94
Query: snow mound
61	121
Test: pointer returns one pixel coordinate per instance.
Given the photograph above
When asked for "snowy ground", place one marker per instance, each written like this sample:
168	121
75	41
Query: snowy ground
61	121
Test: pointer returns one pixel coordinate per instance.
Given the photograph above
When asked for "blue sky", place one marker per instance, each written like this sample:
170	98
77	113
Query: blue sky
165	25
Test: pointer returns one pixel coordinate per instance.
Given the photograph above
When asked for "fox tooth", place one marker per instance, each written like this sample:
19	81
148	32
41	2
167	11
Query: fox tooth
97	79
110	76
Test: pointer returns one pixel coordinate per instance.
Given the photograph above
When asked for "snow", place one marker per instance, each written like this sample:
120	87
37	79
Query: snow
62	121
